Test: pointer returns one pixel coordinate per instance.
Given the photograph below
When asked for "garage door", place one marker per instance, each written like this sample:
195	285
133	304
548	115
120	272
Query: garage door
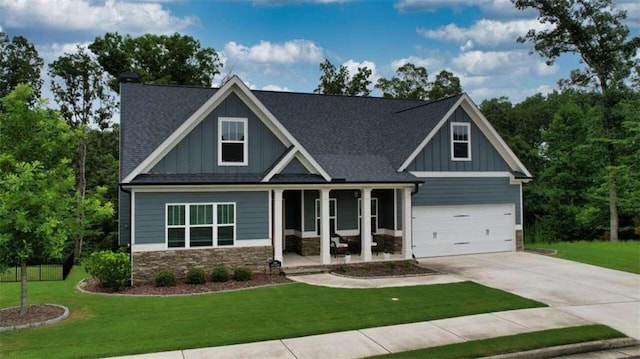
454	230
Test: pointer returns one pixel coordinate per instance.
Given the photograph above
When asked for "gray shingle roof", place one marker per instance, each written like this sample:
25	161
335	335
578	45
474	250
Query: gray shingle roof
355	139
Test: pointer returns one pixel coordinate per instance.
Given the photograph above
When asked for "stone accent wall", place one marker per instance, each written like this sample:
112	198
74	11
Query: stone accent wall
147	264
393	243
291	243
310	246
519	240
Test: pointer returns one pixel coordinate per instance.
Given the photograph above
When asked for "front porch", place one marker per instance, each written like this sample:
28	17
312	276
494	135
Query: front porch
307	223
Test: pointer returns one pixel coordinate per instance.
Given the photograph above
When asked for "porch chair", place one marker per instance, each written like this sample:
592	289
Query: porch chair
338	245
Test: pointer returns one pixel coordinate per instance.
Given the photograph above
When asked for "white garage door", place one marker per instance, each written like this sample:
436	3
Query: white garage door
453	230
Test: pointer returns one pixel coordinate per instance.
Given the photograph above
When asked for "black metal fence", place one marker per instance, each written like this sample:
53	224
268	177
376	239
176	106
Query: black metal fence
39	272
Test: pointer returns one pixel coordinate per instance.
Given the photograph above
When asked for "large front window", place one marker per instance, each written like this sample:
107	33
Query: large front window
200	225
460	141
232	141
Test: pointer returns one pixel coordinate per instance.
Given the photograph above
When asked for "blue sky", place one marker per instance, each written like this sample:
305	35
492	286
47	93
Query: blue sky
278	44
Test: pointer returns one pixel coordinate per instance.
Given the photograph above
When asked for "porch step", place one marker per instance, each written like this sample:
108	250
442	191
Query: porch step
306	270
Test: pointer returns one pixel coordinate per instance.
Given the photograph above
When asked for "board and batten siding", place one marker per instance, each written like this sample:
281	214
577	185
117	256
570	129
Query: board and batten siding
252	213
436	156
198	151
468	190
124	218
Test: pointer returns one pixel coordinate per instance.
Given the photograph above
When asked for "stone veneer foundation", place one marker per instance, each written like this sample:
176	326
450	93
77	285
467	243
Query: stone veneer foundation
147	264
519	240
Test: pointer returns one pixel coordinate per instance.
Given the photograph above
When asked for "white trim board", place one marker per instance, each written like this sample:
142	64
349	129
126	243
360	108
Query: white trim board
485	127
438	174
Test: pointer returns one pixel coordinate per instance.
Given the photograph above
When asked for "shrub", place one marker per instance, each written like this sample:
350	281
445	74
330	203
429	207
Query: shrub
242	274
196	276
165	278
220	274
113	270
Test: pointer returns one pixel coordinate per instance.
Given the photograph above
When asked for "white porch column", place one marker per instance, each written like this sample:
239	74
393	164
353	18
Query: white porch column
325	255
407	228
365	226
277	225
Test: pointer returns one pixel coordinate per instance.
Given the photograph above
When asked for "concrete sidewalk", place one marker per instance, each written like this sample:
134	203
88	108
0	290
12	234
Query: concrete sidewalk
390	339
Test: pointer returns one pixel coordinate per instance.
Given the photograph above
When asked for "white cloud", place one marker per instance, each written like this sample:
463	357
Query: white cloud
633	12
429	63
287	2
290	52
96	16
276	88
543	69
352	67
486	33
493	62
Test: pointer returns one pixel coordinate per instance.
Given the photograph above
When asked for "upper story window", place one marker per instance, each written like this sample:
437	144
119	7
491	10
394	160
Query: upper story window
460	141
232	141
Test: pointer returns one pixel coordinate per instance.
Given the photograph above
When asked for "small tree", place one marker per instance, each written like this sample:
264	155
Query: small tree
36	197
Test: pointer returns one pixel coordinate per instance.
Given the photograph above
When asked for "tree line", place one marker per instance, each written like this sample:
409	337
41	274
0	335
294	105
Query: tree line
59	168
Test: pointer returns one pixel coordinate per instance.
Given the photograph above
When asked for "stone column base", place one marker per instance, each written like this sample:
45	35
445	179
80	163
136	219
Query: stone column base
519	240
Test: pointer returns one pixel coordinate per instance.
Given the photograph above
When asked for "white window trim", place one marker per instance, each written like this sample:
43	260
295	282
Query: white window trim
245	142
373	200
187	225
332	202
468	142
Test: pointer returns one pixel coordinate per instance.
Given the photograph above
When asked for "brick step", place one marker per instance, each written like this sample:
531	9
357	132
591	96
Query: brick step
305	270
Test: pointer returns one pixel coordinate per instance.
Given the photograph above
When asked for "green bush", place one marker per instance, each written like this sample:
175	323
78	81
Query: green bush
113	270
165	278
242	274
196	276
220	274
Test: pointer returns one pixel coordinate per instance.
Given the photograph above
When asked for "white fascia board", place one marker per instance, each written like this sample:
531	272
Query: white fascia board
262	187
492	135
439	174
260	109
433	132
280	165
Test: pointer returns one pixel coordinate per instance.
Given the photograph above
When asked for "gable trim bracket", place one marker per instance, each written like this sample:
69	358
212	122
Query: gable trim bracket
236	86
483	124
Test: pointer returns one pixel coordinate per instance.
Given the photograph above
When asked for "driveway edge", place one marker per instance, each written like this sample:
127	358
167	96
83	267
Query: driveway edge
570	349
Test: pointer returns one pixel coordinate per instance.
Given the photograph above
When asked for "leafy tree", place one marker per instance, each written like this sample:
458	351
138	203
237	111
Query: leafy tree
445	84
19	63
410	82
594	30
160	59
79	87
339	82
36	197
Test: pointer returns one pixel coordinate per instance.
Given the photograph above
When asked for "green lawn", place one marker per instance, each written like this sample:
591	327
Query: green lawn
108	325
513	343
624	256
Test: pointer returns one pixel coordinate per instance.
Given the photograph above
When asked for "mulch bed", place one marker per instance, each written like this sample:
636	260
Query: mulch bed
10	317
383	269
257	280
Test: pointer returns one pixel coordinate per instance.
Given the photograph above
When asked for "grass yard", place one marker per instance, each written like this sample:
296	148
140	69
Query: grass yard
110	325
513	343
624	256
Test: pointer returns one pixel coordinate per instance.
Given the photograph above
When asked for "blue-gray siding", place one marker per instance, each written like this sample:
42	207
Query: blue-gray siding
436	156
399	209
198	151
463	191
295	167
124	210
252	212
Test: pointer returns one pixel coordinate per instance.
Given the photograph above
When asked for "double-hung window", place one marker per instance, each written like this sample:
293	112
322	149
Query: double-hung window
200	225
460	141
232	141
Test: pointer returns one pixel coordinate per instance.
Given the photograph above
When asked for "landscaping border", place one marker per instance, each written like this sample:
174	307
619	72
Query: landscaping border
39	324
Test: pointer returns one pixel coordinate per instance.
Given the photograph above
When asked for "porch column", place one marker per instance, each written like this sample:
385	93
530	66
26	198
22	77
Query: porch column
365	226
325	256
407	228
277	225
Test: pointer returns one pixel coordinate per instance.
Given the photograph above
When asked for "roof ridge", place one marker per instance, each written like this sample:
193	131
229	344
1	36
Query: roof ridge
430	102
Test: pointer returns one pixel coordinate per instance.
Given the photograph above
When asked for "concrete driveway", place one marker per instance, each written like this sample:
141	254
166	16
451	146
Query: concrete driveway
594	293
